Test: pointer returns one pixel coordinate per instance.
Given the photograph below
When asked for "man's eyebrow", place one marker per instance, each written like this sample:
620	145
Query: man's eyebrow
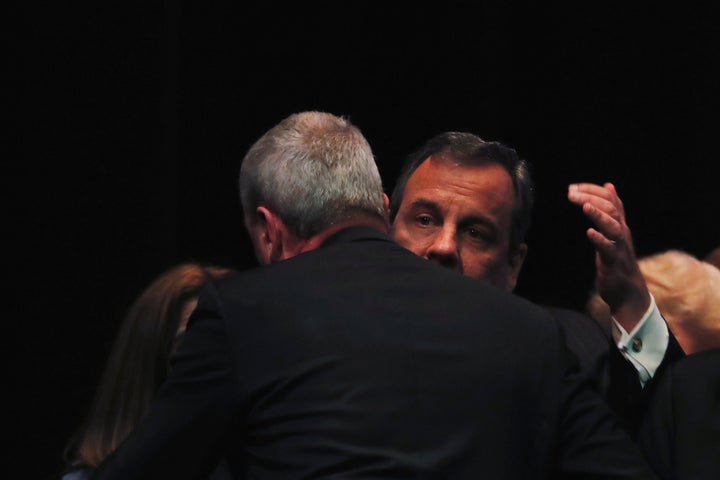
424	203
464	221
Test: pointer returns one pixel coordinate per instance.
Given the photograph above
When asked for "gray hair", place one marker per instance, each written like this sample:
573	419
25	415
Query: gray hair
314	170
469	149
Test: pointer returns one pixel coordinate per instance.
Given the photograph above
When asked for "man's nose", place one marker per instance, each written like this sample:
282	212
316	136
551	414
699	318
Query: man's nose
443	249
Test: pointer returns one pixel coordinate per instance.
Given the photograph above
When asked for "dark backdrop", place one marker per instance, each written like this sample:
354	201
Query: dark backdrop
130	119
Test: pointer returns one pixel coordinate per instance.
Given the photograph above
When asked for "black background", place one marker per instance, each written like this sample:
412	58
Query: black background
129	120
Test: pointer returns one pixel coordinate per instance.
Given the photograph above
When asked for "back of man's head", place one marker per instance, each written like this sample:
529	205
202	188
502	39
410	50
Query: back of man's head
314	170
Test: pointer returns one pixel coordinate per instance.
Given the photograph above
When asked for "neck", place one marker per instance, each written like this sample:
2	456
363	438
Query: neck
299	246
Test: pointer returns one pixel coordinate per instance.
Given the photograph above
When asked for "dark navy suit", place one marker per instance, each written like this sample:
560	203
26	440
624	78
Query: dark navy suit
612	374
681	431
361	360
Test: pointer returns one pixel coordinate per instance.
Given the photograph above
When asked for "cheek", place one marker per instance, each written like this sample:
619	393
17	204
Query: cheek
484	266
411	243
402	236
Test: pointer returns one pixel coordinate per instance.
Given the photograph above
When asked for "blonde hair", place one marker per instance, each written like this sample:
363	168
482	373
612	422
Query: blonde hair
687	293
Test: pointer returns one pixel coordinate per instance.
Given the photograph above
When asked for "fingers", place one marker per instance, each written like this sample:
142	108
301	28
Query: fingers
606	248
603	197
606	225
618	278
615	197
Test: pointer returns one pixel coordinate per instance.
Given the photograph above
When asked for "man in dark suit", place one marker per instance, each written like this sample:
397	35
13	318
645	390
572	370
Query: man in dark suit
466	204
681	433
347	356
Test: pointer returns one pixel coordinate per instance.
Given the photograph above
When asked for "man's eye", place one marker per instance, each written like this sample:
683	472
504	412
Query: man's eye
476	233
424	220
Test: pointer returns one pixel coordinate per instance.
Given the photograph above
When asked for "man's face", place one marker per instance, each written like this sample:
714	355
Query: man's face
460	217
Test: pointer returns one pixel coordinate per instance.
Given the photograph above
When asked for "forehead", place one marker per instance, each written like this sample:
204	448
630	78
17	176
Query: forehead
441	179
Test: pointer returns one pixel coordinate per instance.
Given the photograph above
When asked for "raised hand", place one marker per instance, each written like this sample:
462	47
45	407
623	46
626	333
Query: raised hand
618	281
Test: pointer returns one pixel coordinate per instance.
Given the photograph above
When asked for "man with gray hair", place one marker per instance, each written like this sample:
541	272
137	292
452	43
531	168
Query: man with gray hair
305	179
347	356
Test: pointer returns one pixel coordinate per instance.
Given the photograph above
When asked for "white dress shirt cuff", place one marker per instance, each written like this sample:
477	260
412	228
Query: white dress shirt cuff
646	344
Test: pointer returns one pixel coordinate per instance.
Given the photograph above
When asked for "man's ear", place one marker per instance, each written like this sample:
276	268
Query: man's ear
517	258
386	204
267	232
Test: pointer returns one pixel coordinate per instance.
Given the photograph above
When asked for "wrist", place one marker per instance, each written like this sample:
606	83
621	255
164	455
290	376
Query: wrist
630	312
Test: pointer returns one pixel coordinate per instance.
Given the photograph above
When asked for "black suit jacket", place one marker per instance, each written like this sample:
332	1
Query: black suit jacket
361	360
681	432
611	373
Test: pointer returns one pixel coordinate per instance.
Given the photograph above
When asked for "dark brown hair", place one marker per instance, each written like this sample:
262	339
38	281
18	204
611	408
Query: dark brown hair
138	362
470	150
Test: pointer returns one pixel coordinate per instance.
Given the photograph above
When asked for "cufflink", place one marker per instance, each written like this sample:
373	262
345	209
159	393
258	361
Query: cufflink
637	345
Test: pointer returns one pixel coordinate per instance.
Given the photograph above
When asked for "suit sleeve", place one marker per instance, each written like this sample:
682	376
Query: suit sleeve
657	429
680	433
182	435
592	444
626	395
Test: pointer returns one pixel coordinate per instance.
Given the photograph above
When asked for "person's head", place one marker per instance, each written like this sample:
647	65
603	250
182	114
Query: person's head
687	293
157	319
466	204
139	360
313	172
